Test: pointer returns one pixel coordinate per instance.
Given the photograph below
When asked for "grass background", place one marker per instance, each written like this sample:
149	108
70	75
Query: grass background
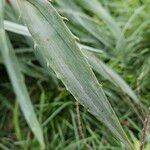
54	106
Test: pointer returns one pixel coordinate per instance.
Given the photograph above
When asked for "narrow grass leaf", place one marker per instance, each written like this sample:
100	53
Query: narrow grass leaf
17	80
16	28
57	46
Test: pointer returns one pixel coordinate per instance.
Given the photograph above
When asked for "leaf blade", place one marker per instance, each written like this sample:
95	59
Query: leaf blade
65	58
17	81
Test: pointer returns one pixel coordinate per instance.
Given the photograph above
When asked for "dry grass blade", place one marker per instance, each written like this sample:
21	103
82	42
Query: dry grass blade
145	130
58	48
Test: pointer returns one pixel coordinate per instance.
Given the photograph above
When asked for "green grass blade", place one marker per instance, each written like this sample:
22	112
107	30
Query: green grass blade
132	18
17	80
57	46
16	28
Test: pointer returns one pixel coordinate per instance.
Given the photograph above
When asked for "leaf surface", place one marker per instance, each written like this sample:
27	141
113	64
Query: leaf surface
58	48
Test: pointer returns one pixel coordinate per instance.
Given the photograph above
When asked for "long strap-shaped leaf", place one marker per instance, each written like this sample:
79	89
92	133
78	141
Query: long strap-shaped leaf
17	80
57	46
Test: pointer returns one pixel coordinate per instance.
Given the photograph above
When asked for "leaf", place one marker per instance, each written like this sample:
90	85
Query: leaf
16	28
17	80
56	45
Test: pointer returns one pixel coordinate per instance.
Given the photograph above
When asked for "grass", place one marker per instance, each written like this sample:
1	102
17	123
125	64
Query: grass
114	37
